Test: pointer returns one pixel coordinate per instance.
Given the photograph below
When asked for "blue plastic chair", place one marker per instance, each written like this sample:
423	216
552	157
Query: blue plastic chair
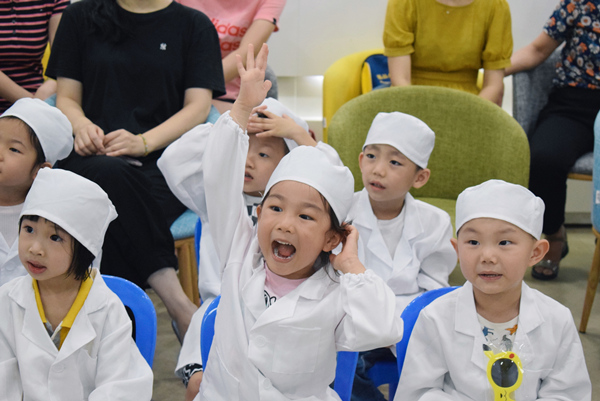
183	231
594	275
197	235
346	361
410	315
144	314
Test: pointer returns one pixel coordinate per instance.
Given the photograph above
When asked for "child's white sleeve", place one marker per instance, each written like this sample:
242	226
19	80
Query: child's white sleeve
224	164
441	260
121	371
181	165
569	378
424	370
371	319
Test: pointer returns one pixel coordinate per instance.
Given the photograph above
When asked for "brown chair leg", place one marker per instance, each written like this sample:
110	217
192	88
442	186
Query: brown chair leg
592	285
188	268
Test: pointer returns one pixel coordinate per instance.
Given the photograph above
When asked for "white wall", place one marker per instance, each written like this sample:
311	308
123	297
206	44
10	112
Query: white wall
315	33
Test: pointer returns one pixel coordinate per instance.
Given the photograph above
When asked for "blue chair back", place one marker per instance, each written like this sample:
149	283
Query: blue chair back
596	176
410	315
346	361
197	235
208	329
144	314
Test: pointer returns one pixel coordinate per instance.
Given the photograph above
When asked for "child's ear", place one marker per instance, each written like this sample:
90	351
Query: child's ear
360	159
454	243
539	251
258	210
332	240
37	168
421	178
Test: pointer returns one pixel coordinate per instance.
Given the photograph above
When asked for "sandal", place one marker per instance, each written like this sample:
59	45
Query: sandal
546	265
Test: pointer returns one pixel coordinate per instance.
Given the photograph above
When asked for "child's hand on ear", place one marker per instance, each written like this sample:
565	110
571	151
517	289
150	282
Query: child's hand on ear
253	87
347	261
281	127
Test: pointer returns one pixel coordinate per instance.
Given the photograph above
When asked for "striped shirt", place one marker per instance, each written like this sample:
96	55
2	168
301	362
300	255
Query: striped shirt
23	39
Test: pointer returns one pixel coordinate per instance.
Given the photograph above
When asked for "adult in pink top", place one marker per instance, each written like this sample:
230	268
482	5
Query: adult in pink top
238	23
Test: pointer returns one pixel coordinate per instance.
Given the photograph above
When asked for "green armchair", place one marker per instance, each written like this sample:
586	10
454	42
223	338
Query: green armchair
475	139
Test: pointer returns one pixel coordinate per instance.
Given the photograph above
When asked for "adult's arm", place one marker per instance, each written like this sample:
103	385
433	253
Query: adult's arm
88	136
533	54
400	70
493	86
48	88
196	106
258	33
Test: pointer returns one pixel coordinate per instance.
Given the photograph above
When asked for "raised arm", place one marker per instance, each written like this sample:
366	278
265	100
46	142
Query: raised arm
533	54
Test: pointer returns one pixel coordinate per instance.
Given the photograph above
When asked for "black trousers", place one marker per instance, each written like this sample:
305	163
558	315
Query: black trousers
563	133
139	241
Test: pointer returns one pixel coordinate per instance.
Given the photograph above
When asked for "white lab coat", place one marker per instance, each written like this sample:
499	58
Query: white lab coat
182	166
10	264
445	359
424	257
97	361
287	351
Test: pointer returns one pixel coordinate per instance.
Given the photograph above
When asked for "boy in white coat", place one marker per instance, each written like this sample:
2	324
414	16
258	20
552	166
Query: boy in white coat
462	339
405	241
273	130
33	135
63	334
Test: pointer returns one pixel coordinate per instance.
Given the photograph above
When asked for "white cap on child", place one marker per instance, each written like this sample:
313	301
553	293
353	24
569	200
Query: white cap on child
76	204
275	107
501	200
411	136
50	125
308	165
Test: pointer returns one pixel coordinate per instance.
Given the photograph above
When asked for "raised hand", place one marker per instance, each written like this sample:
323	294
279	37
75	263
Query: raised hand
347	261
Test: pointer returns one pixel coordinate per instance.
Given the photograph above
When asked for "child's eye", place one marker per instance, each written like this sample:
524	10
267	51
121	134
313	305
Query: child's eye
473	242
505	242
395	163
370	156
263	155
28	229
275	208
15	150
306	217
56	238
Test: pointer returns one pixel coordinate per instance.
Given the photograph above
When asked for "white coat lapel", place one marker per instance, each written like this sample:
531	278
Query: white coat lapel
33	329
529	319
372	238
403	255
313	288
467	323
254	289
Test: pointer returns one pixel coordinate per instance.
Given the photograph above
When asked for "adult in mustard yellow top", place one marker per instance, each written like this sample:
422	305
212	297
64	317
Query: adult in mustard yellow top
446	42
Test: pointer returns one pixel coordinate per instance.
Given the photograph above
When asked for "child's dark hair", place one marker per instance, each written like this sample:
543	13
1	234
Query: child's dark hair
82	258
323	258
35	142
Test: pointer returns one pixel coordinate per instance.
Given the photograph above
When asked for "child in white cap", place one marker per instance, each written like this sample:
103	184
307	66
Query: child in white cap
287	306
495	335
403	240
32	135
63	334
273	130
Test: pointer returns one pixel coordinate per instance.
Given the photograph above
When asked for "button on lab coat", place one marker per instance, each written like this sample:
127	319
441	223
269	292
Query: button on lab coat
97	361
287	351
424	257
445	359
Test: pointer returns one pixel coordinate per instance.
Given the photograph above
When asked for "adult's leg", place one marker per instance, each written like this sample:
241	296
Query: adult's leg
138	245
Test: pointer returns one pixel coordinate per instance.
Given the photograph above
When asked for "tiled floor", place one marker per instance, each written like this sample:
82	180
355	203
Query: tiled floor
568	289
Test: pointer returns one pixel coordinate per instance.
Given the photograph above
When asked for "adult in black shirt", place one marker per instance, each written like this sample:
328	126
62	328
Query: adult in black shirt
133	76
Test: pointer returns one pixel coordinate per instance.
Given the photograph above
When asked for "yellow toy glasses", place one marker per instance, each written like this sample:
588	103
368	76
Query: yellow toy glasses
505	373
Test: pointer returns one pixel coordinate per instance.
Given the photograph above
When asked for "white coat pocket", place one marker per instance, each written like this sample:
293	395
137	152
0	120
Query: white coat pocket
296	350
223	385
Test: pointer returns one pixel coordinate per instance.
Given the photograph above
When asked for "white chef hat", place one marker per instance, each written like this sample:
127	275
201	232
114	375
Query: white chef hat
277	108
76	204
411	136
501	200
50	125
308	165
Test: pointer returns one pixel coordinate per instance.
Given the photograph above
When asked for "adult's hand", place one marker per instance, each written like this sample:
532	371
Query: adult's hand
123	143
88	139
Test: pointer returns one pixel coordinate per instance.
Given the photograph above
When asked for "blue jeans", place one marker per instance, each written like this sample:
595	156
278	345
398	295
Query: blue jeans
363	388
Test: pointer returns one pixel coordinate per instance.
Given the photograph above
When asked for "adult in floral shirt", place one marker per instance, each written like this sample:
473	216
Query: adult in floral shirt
565	127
